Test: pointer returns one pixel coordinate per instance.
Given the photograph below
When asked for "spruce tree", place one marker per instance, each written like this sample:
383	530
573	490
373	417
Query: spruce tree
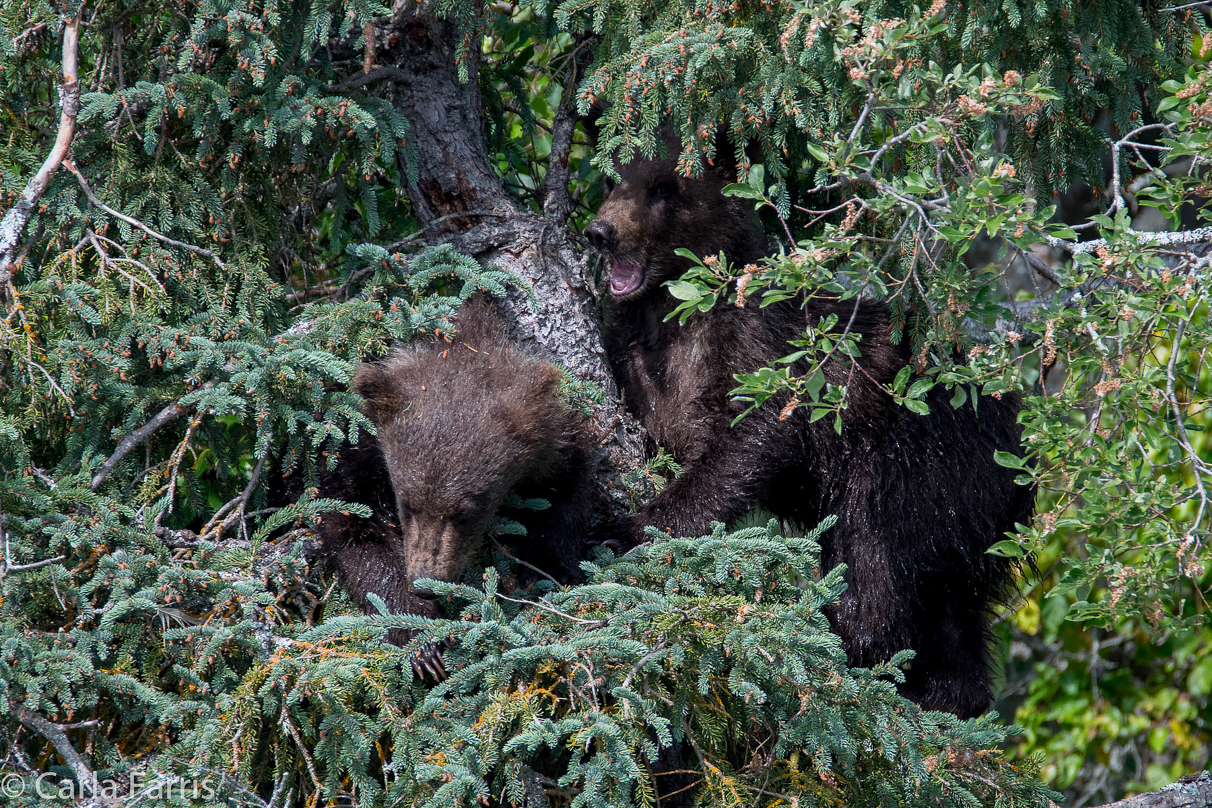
215	209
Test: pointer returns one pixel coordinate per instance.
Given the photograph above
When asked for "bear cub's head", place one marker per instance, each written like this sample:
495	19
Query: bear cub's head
655	209
460	425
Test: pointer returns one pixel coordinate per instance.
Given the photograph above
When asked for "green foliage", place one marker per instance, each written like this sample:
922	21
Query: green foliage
153	600
887	140
790	75
717	647
1111	711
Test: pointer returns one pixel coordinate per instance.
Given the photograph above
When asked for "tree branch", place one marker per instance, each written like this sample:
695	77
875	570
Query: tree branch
1192	791
88	191
170	413
19	215
1202	235
57	735
9	566
556	202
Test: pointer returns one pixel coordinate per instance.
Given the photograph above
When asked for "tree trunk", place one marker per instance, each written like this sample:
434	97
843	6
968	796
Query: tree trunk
1192	791
459	199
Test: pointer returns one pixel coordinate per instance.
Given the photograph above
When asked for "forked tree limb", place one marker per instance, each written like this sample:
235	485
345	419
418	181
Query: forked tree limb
557	203
19	215
57	735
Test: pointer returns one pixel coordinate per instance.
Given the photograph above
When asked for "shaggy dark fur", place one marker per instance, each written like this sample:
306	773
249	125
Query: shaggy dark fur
918	498
460	426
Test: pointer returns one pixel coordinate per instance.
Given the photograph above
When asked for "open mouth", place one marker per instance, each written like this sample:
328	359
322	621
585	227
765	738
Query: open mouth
626	275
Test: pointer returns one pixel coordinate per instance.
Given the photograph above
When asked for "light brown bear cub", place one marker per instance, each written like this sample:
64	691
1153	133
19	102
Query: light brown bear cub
460	426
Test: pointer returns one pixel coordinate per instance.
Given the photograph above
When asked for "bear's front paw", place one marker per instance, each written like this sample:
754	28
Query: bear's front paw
428	663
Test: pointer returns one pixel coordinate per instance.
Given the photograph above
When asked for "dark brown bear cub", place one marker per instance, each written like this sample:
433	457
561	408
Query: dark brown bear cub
919	499
460	426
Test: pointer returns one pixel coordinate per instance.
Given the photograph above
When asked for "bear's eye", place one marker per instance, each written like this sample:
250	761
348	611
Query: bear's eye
607	186
663	190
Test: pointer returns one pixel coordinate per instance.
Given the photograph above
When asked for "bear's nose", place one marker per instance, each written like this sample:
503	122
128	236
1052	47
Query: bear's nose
601	235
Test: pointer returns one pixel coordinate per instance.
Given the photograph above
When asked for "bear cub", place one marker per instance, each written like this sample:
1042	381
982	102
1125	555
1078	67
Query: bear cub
460	427
919	499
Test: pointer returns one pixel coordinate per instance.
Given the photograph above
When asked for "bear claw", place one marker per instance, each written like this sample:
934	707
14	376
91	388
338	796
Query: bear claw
428	663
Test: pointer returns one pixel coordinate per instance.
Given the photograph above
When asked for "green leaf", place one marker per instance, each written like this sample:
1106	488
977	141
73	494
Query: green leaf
818	154
902	378
1199	682
684	290
1007	548
741	190
814	383
1010	460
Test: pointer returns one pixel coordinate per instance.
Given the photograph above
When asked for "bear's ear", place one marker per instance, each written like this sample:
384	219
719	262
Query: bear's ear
383	396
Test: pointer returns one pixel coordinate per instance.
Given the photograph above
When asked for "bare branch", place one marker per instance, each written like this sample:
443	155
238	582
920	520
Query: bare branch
9	566
235	509
15	220
1184	439
166	415
381	72
1202	235
368	60
556	202
57	735
1192	791
88	191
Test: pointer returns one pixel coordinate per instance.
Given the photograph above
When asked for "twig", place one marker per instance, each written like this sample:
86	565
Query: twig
642	661
9	566
553	610
239	504
500	548
294	733
28	32
19	215
384	72
1182	429
88	191
165	416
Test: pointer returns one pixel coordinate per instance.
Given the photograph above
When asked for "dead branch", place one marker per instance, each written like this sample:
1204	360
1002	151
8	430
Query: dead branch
167	415
19	215
57	735
172	242
9	566
1192	791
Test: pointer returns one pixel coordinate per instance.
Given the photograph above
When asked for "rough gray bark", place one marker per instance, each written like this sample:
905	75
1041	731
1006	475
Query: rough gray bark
1192	791
458	198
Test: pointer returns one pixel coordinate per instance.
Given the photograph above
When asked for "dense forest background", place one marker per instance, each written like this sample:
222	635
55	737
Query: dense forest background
215	209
